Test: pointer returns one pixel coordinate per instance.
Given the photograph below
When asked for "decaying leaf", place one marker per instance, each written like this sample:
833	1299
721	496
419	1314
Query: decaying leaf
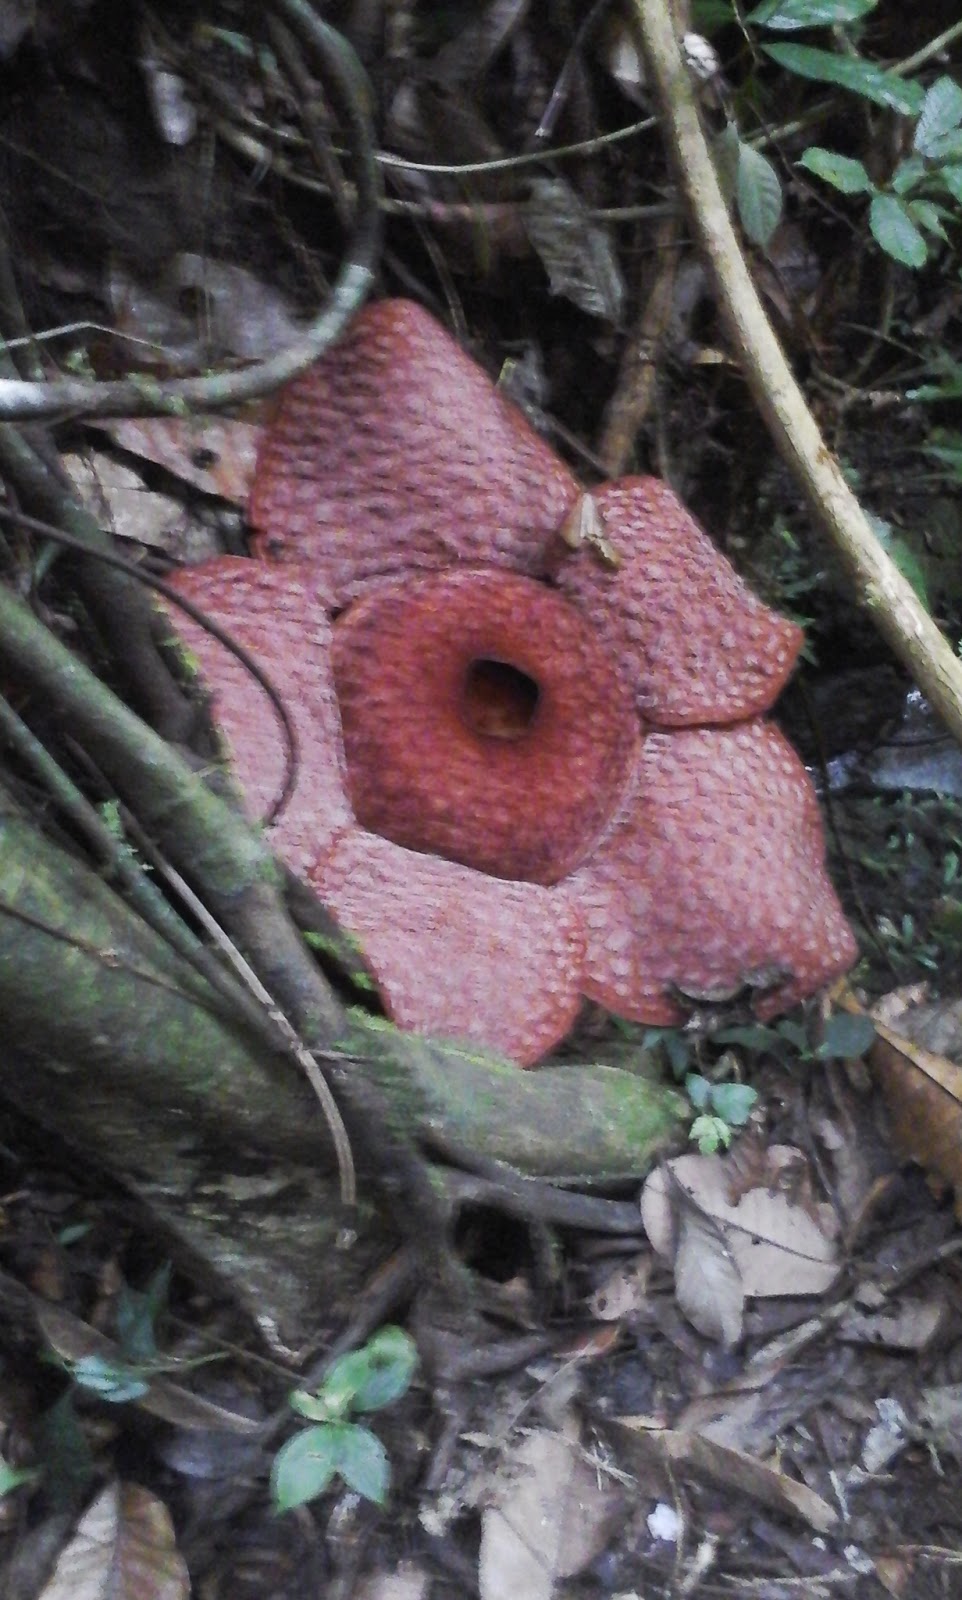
575	252
123	1547
681	1453
215	454
775	1245
923	1096
549	1515
708	1284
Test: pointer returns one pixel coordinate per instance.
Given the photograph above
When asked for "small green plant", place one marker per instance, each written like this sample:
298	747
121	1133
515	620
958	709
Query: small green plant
909	210
722	1107
128	1378
912	203
334	1446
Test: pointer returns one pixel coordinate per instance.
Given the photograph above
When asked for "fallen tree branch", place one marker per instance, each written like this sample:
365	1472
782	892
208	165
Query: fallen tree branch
896	609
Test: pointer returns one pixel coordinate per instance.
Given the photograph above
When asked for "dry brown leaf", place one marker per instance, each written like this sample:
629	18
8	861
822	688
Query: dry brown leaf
216	454
912	1325
624	1293
549	1515
712	1463
923	1096
123	1547
778	1246
117	498
708	1284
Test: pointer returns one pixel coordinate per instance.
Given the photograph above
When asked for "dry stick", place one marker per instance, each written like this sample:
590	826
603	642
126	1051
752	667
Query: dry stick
634	395
880	587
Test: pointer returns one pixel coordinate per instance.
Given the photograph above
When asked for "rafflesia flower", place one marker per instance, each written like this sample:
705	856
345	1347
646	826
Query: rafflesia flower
531	763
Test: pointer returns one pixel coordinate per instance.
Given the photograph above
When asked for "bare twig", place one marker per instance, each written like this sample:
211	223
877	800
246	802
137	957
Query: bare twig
880	587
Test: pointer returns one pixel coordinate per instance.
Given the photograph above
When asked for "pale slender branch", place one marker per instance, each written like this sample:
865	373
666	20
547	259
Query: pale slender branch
897	611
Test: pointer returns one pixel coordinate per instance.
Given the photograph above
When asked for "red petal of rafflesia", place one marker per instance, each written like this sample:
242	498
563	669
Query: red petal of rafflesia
396	452
482	722
455	954
713	878
277	615
697	644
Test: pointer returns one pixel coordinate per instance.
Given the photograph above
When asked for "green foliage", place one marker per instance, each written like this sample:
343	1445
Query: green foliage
14	1477
335	1447
843	1038
912	204
722	1106
908	213
791	14
749	180
860	77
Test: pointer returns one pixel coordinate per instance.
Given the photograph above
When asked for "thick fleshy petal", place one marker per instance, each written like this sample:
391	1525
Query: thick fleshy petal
395	453
713	878
278	616
482	722
699	646
455	954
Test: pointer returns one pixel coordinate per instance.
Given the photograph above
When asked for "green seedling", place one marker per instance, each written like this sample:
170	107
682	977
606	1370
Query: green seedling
335	1446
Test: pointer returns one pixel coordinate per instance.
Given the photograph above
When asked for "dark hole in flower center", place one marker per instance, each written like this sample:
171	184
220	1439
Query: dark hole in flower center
499	700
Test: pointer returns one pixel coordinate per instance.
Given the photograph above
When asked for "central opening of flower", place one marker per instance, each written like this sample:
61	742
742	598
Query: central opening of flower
500	700
482	721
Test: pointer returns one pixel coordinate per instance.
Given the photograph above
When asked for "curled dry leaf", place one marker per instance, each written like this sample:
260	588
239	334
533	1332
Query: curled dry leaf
777	1245
923	1095
123	1547
215	454
708	1284
549	1515
682	1455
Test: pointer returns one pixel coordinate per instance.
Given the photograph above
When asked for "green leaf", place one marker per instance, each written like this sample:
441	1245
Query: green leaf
787	14
950	455
707	16
758	195
951	179
363	1462
795	1033
111	1380
907	175
733	1102
754	1036
725	150
315	1407
905	557
12	1477
392	1360
948	148
842	172
941	113
304	1467
710	1134
895	231
861	77
137	1315
846	1037
344	1378
928	216
698	1090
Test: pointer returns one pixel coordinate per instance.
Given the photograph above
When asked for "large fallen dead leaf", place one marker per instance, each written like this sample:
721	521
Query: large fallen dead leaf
923	1092
549	1515
762	1243
124	1548
680	1453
